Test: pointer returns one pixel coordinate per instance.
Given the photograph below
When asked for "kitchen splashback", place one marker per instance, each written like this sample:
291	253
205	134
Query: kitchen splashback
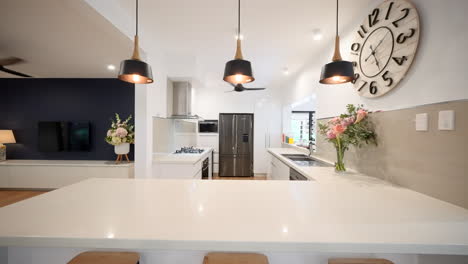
432	162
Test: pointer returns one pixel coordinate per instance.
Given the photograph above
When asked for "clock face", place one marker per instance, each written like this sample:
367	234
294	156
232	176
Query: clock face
384	47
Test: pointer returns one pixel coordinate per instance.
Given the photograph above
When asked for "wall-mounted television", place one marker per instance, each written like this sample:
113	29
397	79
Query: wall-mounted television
61	136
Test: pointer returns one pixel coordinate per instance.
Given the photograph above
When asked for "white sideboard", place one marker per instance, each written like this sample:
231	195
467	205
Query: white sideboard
52	174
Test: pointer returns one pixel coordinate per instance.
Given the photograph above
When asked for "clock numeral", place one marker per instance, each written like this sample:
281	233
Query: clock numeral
362	32
356	47
406	11
388	10
388	79
362	86
400	60
402	37
373	18
373	87
354	64
356	77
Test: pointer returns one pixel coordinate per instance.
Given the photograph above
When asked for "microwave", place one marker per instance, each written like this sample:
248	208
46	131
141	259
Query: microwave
208	126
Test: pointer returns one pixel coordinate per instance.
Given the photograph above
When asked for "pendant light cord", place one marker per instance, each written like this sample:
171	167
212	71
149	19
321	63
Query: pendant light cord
136	11
336	17
238	19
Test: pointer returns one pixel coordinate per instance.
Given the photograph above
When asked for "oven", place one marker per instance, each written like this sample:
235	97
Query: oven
208	126
206	168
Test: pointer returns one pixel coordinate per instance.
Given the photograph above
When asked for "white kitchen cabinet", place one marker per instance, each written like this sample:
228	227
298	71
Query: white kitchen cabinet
267	132
277	170
50	174
162	94
173	166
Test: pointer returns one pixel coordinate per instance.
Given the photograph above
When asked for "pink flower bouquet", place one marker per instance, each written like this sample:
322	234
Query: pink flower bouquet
120	132
351	128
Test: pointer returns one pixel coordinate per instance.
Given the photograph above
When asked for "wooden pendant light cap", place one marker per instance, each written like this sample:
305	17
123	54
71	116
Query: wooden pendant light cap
337	54
238	55
136	49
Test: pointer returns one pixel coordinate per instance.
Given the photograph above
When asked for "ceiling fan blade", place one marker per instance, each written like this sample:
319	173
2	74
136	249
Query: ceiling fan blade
13	72
10	61
254	89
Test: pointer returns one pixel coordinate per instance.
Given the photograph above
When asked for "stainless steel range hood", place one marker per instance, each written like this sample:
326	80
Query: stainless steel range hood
182	101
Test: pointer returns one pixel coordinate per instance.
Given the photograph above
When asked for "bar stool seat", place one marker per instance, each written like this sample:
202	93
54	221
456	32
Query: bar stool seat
358	261
104	257
235	258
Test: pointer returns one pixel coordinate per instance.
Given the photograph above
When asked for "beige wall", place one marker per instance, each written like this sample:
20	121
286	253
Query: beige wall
433	162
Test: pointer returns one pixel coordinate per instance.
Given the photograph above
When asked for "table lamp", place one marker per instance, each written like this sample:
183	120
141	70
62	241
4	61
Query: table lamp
6	136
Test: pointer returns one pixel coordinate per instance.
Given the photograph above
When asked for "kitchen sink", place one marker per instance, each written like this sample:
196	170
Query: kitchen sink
306	161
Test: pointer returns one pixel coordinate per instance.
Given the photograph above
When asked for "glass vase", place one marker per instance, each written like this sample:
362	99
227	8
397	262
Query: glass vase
340	151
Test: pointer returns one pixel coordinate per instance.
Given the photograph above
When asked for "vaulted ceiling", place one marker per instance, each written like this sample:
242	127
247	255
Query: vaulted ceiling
68	38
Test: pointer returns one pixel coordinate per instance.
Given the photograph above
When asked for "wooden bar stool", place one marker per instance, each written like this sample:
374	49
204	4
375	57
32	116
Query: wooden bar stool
103	257
358	261
235	258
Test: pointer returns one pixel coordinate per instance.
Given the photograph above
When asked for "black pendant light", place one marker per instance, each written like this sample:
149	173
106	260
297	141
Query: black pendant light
135	70
238	70
338	71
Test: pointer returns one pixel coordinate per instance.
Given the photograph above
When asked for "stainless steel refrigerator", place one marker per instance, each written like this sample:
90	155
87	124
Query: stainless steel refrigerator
236	145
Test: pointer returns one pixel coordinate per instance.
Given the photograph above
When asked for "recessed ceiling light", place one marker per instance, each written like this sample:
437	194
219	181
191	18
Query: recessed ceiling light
285	71
110	67
317	34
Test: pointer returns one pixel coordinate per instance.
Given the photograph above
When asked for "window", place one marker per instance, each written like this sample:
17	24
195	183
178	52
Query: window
302	127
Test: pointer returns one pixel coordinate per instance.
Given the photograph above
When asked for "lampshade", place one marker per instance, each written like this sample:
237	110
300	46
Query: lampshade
238	71
6	136
135	71
337	72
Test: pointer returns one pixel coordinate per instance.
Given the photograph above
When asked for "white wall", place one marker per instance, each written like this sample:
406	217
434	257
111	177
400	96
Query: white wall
438	73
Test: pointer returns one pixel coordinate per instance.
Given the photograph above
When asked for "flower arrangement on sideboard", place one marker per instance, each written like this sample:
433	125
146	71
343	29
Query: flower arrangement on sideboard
121	135
351	128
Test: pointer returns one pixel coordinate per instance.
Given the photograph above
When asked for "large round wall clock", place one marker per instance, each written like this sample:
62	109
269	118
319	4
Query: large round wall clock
384	47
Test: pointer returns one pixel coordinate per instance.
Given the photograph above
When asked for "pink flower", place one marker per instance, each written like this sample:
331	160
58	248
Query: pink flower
335	120
331	135
338	130
347	121
121	132
361	114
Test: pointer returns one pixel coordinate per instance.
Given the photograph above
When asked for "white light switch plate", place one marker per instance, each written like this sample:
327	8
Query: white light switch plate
447	120
422	122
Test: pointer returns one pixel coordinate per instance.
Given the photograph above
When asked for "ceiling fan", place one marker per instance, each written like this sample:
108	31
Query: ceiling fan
11	61
240	88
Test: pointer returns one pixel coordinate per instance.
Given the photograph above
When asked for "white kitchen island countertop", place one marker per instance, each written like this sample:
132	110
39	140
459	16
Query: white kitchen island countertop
222	215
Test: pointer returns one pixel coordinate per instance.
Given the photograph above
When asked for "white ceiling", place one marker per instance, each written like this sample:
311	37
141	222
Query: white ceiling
59	38
67	38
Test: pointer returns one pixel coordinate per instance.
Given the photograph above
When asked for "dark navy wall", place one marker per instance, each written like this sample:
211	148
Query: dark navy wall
25	102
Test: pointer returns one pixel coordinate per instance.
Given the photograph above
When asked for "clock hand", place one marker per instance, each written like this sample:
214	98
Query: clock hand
376	61
370	55
381	41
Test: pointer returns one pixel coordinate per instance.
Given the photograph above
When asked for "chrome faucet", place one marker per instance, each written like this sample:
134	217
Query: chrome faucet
310	147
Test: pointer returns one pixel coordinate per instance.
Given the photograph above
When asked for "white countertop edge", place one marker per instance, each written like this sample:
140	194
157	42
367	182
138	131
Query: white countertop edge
233	246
